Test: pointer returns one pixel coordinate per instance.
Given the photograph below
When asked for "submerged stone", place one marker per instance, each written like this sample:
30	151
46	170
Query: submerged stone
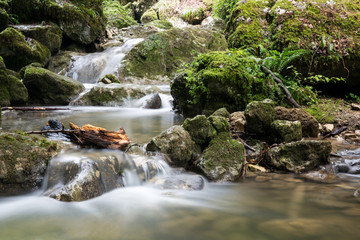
181	182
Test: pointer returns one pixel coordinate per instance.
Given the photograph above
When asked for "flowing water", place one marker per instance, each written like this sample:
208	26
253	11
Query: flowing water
269	206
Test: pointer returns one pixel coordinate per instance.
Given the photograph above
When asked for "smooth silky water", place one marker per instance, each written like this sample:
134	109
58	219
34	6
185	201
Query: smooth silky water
272	206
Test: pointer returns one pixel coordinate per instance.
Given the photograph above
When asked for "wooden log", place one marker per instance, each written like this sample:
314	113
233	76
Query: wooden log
33	108
278	80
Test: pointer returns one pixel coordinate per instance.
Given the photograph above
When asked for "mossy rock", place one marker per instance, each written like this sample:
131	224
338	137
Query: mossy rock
221	112
50	35
259	116
141	6
299	156
160	55
200	129
18	51
12	90
223	159
149	16
194	16
285	131
104	96
327	28
23	161
109	78
177	144
46	87
162	24
214	80
220	123
82	21
117	15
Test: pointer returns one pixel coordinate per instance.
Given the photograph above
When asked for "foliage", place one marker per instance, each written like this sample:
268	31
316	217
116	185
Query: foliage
353	97
323	111
194	16
224	8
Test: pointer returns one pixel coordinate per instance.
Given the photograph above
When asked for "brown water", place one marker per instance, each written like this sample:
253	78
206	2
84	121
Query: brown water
270	206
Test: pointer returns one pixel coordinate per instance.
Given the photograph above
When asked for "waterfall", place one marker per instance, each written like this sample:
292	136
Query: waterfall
91	67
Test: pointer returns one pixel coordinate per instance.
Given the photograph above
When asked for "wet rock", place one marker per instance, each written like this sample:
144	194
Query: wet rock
310	126
12	90
299	156
237	119
181	182
46	87
50	35
157	59
14	44
154	102
79	178
223	159
109	78
200	129
113	94
23	161
60	62
285	131
177	144
259	116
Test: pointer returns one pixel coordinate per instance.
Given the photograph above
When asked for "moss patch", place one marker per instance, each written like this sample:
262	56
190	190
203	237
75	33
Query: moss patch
117	15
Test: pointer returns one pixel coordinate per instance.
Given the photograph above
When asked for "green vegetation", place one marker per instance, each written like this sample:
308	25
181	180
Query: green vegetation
117	15
194	16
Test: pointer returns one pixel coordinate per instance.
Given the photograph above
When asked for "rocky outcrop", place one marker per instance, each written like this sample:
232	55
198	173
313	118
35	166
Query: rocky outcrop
176	142
83	178
12	90
23	161
46	87
18	51
259	116
223	159
50	35
81	21
310	126
159	56
299	156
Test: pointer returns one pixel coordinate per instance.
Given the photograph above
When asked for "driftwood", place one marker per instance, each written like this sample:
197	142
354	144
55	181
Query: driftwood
33	108
92	136
278	80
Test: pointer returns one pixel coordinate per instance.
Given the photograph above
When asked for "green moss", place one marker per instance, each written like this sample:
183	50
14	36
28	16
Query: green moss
149	16
14	44
162	24
117	15
200	130
194	16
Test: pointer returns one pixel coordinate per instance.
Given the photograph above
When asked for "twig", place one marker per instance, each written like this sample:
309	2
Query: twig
55	131
33	108
278	80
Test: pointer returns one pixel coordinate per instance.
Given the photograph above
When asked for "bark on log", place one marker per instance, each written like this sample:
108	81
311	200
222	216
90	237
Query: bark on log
278	80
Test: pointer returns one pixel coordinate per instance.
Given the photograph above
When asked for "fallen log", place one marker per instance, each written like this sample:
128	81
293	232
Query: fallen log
335	132
92	136
33	108
278	80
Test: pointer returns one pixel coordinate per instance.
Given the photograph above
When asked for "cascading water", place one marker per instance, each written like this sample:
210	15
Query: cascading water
91	67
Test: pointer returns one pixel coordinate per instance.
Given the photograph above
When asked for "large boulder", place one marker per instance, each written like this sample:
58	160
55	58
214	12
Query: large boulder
19	51
12	90
299	156
50	35
177	144
259	115
23	161
310	126
46	87
200	129
309	25
223	159
81	21
82	177
159	56
285	131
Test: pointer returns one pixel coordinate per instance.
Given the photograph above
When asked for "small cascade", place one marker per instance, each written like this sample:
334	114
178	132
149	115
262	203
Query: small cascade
91	67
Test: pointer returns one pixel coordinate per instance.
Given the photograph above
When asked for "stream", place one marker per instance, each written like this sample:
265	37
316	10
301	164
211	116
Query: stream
263	207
